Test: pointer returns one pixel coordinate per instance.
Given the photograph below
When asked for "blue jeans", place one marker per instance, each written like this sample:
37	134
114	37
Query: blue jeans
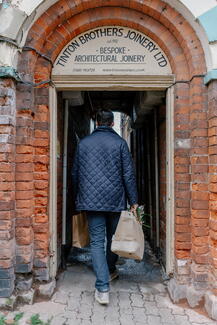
101	225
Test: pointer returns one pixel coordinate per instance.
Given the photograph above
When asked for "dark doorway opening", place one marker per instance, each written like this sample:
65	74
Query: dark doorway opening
142	121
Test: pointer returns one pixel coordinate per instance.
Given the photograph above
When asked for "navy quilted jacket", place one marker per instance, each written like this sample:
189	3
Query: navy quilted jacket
103	172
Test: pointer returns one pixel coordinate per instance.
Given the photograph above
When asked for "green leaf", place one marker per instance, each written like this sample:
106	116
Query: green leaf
35	320
18	316
2	320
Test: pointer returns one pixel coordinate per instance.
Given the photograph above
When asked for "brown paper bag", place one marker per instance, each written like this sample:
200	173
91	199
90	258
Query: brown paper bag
128	240
80	234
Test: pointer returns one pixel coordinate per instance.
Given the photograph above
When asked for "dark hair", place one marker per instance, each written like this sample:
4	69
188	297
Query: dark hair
104	118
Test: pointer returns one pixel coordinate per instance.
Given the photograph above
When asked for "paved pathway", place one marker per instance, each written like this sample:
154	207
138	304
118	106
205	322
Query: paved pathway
130	303
138	297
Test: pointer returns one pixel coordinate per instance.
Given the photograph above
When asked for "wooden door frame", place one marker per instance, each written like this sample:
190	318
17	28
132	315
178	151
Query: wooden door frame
112	83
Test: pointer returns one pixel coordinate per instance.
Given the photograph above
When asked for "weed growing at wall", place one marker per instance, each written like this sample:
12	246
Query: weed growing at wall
34	320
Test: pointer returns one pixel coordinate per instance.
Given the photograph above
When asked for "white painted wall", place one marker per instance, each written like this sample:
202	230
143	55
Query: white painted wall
198	7
28	6
213	48
117	122
8	55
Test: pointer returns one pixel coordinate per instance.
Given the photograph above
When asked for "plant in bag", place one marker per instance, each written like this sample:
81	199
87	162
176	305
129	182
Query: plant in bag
143	217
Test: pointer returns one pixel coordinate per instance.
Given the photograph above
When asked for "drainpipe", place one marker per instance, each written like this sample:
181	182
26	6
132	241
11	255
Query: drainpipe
64	192
156	184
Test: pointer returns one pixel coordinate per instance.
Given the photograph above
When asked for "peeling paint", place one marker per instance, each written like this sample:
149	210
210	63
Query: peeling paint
208	21
8	55
11	20
211	75
27	6
9	72
6	5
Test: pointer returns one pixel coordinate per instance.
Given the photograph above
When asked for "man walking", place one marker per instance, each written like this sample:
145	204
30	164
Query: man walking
104	179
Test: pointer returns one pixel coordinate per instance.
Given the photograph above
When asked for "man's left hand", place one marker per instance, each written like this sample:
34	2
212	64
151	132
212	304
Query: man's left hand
133	208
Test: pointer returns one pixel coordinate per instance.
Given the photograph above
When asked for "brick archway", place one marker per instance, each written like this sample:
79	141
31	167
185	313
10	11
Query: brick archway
46	38
65	20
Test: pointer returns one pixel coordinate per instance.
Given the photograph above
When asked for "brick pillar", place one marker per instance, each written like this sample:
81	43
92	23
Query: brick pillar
211	295
199	185
178	285
182	184
41	184
212	133
7	185
24	181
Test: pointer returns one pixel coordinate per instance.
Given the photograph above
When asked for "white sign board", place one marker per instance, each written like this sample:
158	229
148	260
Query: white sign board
112	51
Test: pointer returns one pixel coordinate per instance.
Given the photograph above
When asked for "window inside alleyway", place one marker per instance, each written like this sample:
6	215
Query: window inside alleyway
140	118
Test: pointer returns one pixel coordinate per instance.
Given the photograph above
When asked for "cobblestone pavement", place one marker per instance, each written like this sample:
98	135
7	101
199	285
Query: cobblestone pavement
138	297
131	302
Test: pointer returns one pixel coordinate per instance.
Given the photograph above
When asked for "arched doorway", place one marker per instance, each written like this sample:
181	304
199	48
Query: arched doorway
100	59
62	23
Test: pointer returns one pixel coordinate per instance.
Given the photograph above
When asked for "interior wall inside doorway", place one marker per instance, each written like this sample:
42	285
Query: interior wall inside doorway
144	144
148	147
162	178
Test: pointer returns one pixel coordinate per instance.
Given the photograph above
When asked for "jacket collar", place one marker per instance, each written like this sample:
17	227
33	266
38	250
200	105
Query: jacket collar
104	129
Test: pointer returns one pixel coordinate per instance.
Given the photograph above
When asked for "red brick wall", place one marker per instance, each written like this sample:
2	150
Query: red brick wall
212	138
182	48
24	191
199	182
182	173
32	159
50	33
7	186
41	185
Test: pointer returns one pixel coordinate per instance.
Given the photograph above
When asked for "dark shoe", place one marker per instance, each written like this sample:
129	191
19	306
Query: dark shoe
120	261
114	275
